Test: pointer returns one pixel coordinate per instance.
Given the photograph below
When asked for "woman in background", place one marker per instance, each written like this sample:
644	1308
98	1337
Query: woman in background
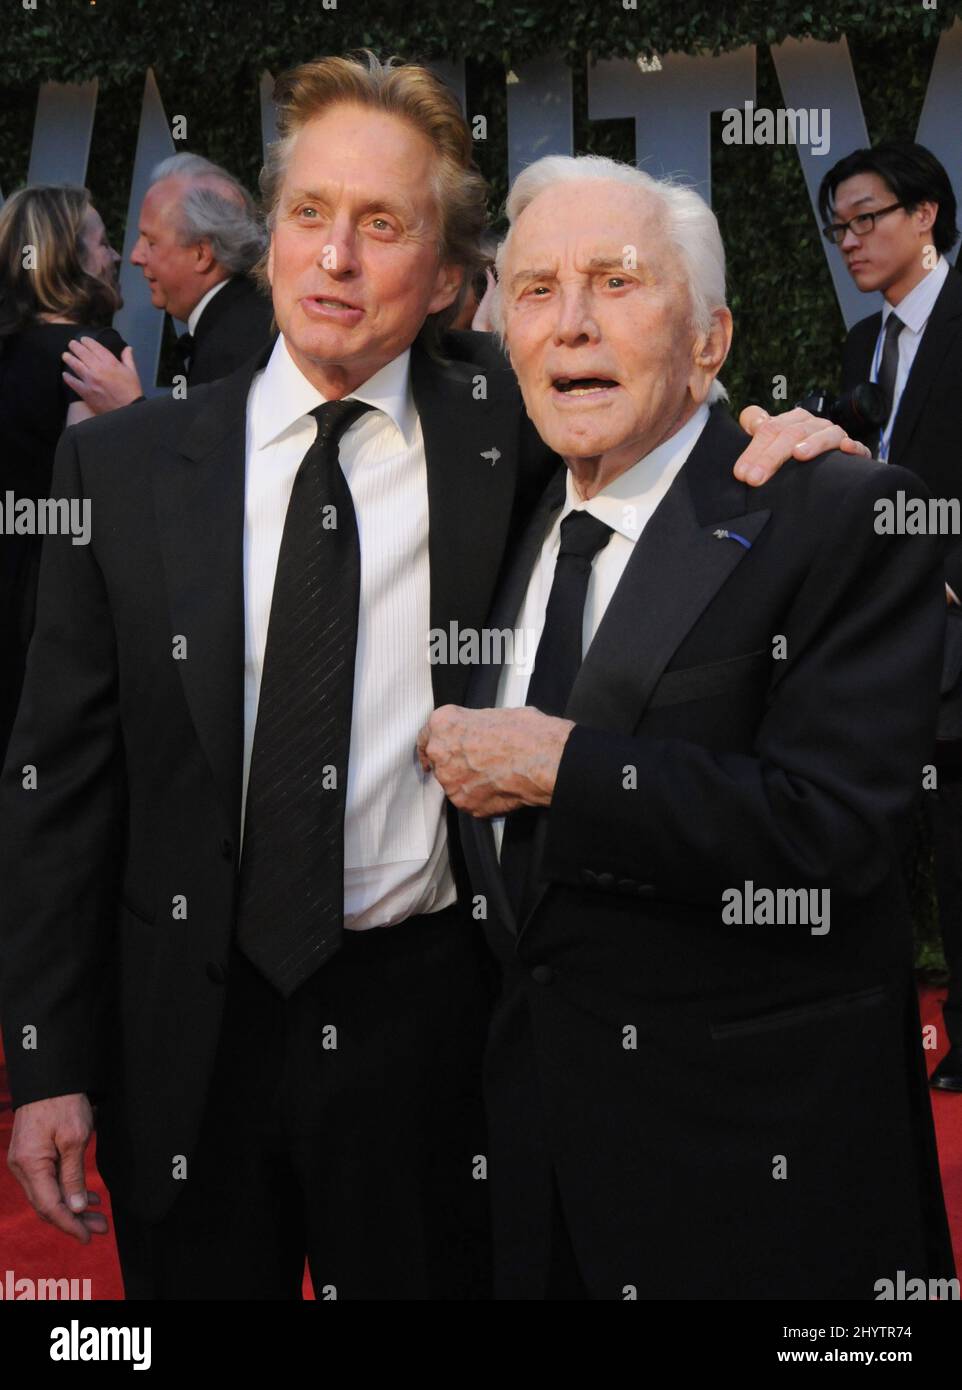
58	280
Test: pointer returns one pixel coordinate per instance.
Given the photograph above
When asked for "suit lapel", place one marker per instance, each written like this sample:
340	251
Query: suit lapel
679	563
483	687
199	502
218	306
945	322
470	496
685	554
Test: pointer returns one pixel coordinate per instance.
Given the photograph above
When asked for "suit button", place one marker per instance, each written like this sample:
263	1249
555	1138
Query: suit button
227	849
626	885
606	880
216	973
542	975
589	876
645	890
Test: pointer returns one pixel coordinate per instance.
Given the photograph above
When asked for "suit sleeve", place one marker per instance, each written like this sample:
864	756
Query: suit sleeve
61	800
839	751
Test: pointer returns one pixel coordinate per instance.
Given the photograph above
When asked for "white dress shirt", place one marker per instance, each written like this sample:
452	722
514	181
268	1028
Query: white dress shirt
914	311
395	835
193	318
626	505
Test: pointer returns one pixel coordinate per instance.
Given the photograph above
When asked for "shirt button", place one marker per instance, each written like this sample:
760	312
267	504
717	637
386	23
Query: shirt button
542	975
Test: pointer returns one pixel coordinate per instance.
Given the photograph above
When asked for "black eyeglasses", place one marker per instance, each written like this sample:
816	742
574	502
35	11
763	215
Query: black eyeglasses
861	224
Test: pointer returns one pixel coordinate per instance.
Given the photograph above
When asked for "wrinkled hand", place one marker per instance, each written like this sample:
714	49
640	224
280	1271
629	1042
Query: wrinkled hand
46	1156
491	761
794	434
100	381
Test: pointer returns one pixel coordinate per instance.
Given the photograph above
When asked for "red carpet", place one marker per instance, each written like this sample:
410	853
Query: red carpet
30	1247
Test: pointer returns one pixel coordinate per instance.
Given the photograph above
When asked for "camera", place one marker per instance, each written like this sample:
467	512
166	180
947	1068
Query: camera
860	411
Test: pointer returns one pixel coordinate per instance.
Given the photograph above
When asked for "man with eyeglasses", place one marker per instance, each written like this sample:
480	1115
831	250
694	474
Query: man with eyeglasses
891	212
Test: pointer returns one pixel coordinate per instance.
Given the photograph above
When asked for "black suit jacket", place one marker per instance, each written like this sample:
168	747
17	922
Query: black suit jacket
139	755
236	324
654	1058
927	434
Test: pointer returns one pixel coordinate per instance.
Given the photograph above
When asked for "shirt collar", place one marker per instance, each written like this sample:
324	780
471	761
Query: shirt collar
627	503
285	395
193	318
915	308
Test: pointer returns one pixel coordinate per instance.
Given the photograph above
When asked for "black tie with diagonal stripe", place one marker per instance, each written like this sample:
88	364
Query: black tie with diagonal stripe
291	905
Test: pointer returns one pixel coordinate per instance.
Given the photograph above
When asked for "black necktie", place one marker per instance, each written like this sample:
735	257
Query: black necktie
183	347
889	366
291	907
555	667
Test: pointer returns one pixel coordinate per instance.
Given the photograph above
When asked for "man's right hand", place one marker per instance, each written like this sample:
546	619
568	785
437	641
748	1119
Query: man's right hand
100	381
46	1156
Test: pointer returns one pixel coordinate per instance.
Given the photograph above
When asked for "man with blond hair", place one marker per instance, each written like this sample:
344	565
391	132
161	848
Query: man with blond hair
230	917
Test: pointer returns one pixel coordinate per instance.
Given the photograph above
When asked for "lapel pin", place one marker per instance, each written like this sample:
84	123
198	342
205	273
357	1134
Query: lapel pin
492	454
722	535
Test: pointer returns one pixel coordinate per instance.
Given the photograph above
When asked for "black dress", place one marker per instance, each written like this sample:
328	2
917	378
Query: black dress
33	412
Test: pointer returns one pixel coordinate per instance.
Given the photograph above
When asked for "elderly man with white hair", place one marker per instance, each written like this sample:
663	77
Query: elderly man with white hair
683	822
200	237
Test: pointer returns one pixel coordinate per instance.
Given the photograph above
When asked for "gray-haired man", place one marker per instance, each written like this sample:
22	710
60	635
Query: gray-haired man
200	235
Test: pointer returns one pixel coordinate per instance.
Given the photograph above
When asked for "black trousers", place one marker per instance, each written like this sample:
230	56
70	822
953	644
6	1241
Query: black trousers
342	1125
944	810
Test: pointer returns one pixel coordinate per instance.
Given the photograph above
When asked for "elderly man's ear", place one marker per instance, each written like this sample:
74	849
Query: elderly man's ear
775	439
709	354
